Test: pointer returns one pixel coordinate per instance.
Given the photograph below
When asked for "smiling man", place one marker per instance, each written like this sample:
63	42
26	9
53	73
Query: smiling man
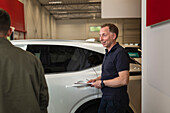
115	73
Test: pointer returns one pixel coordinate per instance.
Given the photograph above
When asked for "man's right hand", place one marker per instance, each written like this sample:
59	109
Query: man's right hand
91	81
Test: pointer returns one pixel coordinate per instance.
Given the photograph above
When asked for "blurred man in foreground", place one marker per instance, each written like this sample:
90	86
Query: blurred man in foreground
23	87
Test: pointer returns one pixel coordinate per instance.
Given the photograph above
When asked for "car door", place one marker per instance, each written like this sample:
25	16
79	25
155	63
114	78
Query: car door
64	66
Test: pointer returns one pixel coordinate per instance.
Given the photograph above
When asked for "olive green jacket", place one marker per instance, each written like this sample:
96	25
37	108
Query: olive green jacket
23	87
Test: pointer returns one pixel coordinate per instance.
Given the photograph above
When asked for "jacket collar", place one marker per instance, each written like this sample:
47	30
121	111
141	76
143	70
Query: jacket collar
4	41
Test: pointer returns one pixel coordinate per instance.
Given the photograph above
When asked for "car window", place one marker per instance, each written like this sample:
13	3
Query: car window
133	52
57	58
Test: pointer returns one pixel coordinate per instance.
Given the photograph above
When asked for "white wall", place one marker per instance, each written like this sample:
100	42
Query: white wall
38	22
156	66
129	31
121	8
67	29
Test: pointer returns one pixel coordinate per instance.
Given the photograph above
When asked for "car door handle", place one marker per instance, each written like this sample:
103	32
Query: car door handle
79	84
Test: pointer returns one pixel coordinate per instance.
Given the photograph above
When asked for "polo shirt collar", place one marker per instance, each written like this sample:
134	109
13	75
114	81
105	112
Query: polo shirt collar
113	48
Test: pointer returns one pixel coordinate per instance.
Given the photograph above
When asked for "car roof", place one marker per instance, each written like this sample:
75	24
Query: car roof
94	46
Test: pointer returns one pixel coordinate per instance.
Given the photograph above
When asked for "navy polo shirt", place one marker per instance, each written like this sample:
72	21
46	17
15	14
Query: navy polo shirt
115	61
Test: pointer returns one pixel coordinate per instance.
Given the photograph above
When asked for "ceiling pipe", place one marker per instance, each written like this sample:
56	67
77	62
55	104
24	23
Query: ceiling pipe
69	13
63	4
75	10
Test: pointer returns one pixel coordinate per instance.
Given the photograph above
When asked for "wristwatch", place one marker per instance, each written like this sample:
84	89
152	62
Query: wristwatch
102	84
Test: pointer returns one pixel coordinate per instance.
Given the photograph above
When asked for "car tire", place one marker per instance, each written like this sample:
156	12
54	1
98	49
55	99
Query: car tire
92	107
89	107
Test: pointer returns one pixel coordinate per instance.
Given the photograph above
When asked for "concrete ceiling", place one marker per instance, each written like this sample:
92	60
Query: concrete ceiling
73	9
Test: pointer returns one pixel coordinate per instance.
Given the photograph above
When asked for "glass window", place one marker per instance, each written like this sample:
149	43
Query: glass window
57	59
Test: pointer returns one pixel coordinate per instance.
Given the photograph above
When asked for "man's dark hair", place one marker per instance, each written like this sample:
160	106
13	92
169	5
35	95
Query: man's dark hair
112	28
5	22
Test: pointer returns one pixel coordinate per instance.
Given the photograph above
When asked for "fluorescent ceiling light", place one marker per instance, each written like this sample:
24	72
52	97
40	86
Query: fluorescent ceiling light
62	12
94	0
58	8
57	2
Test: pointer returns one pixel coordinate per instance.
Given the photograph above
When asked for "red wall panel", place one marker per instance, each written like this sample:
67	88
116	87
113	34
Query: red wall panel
16	11
157	11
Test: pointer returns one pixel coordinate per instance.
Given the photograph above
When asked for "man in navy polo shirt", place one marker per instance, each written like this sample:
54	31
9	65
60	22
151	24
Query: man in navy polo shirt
115	73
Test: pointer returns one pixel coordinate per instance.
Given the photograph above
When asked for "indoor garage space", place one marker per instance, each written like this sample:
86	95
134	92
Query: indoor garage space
68	39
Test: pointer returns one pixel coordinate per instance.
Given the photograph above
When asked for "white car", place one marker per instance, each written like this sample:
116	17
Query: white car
68	65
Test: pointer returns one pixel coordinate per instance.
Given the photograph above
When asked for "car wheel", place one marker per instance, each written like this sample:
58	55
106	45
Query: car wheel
94	109
90	107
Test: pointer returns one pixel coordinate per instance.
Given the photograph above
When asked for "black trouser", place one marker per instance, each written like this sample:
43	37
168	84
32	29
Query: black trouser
110	105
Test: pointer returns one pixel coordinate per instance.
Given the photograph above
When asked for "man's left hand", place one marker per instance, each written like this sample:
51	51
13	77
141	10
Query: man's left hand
97	84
